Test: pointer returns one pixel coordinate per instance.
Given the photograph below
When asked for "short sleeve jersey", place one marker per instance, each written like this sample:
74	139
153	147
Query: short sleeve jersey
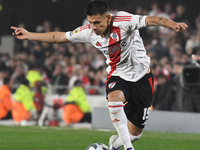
122	46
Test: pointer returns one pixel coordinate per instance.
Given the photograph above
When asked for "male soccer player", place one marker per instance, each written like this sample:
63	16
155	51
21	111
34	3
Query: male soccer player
129	85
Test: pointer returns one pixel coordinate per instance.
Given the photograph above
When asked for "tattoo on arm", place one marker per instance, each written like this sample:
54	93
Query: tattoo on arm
163	21
54	36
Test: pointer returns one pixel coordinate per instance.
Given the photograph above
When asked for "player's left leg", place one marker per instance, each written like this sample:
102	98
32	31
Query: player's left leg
137	111
134	134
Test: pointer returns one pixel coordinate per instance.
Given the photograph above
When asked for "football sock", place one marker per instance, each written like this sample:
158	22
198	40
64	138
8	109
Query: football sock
134	137
118	143
119	121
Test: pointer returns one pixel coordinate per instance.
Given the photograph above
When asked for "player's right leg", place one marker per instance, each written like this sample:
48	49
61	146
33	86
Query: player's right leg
118	118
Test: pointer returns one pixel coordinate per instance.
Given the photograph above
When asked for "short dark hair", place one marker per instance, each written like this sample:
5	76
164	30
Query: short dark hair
95	7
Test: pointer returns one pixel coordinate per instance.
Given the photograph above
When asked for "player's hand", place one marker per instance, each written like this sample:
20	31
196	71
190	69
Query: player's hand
20	33
178	27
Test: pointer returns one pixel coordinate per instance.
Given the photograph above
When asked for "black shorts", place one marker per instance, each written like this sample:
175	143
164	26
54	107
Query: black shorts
138	95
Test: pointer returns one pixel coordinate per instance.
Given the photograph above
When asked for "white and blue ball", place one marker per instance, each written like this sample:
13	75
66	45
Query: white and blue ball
97	146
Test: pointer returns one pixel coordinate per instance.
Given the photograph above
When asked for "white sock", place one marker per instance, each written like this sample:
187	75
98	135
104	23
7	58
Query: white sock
119	121
134	137
118	143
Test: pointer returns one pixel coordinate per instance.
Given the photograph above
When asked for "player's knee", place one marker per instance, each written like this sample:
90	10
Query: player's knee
135	137
114	99
116	96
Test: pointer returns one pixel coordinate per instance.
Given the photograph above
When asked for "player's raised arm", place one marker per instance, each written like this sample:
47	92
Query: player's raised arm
50	37
162	21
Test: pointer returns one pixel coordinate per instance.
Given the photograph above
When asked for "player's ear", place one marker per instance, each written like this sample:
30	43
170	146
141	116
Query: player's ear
109	17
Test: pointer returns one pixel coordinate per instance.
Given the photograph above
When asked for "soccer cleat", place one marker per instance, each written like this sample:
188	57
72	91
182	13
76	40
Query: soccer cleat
111	141
130	148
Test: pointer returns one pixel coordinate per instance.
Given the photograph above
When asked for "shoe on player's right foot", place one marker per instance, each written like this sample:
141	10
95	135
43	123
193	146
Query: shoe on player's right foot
111	141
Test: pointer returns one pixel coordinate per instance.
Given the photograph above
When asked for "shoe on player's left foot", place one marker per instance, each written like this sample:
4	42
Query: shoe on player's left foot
131	148
111	141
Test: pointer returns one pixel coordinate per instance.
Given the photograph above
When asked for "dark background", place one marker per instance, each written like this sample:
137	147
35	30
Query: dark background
69	14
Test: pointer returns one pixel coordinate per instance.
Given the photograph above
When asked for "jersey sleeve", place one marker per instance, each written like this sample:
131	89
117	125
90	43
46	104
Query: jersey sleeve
138	21
80	34
135	21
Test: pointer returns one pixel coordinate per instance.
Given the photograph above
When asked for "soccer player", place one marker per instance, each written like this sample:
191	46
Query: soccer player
129	85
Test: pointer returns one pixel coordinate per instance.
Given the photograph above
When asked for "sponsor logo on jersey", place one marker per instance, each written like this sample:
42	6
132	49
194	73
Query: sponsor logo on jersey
116	48
123	43
98	44
76	31
111	85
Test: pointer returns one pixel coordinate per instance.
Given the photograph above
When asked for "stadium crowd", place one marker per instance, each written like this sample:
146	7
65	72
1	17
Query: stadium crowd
62	64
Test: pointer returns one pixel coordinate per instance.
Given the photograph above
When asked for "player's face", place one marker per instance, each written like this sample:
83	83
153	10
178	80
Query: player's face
99	24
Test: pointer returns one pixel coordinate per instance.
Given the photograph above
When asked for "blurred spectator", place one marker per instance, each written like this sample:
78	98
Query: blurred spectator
98	78
59	79
180	13
20	45
76	74
6	99
34	74
138	10
39	95
49	65
23	105
84	76
77	108
3	73
161	96
157	48
175	52
38	52
192	42
99	61
81	48
197	21
168	13
177	68
196	53
18	75
47	49
155	10
47	26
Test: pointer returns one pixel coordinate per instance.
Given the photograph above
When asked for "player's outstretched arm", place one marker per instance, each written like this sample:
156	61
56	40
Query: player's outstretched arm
162	21
50	37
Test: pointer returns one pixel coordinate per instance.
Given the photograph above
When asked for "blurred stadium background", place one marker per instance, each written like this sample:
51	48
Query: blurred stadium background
69	14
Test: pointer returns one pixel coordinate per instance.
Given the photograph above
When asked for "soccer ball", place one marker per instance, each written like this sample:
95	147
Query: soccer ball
97	146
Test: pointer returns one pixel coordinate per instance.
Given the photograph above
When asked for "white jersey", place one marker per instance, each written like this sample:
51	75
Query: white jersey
123	47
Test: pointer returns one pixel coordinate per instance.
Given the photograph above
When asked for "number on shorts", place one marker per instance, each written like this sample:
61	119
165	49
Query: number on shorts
146	114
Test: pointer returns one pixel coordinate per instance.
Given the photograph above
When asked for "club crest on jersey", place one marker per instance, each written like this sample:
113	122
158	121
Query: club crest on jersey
114	36
111	85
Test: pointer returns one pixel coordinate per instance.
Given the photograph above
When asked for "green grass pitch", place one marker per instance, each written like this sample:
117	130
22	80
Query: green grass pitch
67	138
